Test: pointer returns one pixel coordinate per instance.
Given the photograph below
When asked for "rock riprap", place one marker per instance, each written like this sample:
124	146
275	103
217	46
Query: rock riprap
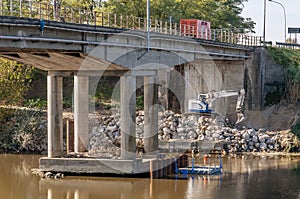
105	133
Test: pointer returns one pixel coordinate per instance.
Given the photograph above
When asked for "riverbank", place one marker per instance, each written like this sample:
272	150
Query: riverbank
25	131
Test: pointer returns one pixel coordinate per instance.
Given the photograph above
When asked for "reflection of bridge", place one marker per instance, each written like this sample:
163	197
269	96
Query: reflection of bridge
95	44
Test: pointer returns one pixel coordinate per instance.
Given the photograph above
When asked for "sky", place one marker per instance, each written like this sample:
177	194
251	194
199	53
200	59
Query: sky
254	9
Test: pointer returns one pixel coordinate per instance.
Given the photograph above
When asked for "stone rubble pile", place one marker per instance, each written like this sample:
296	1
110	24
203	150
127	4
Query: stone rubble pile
105	133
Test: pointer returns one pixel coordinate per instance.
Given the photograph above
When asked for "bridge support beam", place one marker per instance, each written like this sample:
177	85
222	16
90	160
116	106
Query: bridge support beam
128	114
150	115
55	121
81	111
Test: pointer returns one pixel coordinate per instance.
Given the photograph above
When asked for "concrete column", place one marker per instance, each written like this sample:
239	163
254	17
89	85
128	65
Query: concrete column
128	111
81	113
55	121
150	115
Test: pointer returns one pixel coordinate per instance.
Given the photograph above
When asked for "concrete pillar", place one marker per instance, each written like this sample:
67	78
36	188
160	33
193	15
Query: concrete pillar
81	113
55	121
150	115
128	112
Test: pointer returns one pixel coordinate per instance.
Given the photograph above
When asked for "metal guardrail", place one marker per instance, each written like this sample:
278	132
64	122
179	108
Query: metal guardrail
288	45
55	12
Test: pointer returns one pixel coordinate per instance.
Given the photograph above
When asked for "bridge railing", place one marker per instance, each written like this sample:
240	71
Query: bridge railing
287	45
48	11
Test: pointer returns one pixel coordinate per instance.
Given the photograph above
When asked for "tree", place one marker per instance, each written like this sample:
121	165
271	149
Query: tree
221	13
14	81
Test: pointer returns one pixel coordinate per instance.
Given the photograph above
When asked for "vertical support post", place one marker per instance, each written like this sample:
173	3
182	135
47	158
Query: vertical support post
11	7
70	135
55	122
264	25
20	8
150	115
30	9
262	77
148	25
95	17
81	111
1	7
128	111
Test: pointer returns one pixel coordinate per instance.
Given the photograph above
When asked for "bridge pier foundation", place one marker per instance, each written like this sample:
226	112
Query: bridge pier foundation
150	115
128	114
55	121
81	111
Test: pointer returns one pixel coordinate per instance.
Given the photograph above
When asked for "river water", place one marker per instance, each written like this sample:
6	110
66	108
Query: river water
243	177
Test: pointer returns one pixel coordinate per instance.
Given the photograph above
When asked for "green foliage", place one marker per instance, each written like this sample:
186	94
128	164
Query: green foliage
221	13
290	60
14	82
296	130
140	102
36	103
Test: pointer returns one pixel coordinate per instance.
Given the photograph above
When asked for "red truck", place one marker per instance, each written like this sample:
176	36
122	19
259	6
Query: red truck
195	28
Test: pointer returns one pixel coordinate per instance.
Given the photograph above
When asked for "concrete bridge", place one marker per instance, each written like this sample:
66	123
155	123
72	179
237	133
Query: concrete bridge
85	50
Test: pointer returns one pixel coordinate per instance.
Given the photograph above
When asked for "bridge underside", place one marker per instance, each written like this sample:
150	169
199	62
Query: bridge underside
65	61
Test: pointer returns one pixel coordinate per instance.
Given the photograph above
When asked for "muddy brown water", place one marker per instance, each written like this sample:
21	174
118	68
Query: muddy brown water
242	178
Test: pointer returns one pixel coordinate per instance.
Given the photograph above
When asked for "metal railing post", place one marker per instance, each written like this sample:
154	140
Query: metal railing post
121	21
133	22
95	17
11	7
40	10
108	19
20	7
160	26
1	7
139	21
30	10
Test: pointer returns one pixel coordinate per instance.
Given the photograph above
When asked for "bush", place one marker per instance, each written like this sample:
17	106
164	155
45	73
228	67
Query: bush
23	130
14	82
290	60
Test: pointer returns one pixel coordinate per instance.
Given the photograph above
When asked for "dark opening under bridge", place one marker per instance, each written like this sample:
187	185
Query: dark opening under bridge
97	44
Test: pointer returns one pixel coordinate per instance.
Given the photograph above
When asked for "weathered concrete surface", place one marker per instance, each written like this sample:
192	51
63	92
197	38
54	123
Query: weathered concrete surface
81	113
94	166
204	76
150	115
55	120
128	111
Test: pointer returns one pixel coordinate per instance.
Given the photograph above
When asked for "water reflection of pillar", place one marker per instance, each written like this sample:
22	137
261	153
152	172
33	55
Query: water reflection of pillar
151	189
80	194
49	194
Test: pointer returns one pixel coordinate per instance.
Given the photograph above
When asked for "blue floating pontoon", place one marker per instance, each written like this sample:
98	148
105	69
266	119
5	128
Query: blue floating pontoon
200	170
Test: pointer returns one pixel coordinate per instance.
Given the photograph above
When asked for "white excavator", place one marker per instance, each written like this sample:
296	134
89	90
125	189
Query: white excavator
203	102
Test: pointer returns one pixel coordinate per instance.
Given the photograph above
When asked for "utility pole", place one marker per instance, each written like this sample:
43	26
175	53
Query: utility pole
264	28
148	25
284	13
